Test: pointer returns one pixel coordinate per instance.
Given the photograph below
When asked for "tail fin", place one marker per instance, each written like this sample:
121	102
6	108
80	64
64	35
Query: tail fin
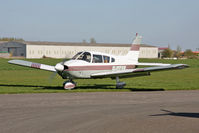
133	54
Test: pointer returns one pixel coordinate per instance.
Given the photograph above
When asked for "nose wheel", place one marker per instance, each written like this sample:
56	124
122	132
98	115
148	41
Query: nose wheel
69	85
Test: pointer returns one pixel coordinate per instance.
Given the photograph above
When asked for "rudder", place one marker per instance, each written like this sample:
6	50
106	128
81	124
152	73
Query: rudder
133	54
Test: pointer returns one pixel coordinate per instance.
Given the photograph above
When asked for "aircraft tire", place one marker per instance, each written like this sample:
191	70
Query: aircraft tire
69	85
120	85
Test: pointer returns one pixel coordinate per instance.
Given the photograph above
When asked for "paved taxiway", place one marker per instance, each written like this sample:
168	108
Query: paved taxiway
101	112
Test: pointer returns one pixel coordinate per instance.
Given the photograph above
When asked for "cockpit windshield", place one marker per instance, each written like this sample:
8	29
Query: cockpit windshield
86	56
74	57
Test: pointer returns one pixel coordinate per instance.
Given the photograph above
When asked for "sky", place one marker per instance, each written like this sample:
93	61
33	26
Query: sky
160	22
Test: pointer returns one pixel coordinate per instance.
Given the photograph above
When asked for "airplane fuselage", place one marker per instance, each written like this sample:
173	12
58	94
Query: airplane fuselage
82	69
76	68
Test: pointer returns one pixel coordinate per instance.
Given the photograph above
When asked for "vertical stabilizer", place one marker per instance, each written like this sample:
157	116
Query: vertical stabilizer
133	54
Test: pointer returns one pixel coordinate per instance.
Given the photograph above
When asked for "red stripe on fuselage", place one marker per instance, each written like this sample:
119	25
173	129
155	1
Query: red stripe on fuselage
97	67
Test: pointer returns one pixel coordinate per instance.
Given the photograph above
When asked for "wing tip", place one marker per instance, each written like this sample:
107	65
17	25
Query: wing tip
12	61
184	66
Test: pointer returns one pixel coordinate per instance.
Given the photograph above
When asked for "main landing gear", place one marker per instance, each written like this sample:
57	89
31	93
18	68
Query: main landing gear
119	85
69	85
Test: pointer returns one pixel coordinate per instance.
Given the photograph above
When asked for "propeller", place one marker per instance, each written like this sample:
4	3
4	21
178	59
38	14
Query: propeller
59	67
52	77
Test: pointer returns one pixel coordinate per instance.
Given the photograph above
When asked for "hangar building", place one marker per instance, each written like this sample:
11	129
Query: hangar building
12	49
67	50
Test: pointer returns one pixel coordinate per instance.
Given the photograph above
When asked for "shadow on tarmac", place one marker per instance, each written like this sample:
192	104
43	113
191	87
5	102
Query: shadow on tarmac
40	86
101	86
179	114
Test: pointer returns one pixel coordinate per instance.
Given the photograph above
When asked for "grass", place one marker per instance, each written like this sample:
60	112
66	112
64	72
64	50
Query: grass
18	79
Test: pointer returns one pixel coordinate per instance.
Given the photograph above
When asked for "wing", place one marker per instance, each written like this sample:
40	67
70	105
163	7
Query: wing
152	64
33	65
138	72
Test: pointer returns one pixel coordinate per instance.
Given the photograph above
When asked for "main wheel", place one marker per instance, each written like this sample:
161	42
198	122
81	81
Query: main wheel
69	85
120	85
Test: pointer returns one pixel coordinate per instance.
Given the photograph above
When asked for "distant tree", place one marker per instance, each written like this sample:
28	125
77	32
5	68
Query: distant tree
189	54
10	39
167	53
178	52
92	40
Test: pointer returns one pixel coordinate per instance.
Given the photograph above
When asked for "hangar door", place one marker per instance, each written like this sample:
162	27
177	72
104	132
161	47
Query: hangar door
13	51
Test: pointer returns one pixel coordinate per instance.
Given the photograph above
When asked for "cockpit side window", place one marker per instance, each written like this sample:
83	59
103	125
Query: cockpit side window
97	58
86	56
112	60
106	59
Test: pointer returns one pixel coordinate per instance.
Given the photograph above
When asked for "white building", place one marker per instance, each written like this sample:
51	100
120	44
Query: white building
67	50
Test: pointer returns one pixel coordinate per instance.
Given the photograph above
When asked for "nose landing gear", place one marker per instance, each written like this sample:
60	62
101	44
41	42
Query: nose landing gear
69	85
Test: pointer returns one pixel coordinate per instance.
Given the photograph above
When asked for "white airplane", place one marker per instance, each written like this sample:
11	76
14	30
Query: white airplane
88	64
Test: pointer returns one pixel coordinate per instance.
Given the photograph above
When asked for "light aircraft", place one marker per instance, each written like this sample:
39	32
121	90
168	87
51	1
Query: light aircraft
89	64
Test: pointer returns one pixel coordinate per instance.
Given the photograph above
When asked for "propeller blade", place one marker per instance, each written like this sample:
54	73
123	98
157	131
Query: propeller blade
64	60
52	77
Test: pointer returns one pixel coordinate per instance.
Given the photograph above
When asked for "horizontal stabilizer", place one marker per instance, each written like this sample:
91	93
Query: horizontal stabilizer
33	65
160	68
